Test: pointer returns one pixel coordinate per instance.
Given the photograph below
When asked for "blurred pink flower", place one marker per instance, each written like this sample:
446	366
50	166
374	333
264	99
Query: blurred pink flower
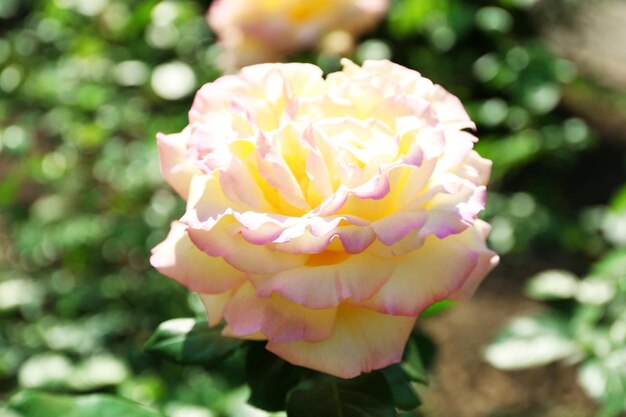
252	32
323	215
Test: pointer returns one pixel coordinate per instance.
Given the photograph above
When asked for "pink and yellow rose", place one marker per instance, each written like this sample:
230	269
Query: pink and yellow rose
252	32
323	215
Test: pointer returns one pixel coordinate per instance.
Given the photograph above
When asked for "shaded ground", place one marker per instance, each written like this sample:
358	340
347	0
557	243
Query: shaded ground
463	385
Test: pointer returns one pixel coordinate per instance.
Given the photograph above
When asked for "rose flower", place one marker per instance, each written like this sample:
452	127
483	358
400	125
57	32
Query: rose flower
251	32
323	215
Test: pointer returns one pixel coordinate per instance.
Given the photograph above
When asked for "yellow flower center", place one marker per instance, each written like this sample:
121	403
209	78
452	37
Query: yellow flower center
306	10
327	257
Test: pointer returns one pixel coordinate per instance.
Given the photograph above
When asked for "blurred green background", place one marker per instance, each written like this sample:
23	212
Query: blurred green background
86	85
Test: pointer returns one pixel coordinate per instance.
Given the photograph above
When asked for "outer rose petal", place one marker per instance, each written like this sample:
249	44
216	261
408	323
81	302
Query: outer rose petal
178	258
396	226
214	305
475	168
450	109
216	96
439	223
351	239
301	80
425	276
175	169
362	341
356	277
207	203
278	319
228	332
224	240
296	80
475	238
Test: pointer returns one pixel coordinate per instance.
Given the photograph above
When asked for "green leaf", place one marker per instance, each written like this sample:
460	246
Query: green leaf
412	363
604	379
411	16
18	292
618	200
437	308
368	395
270	378
404	395
596	290
511	151
46	370
612	264
6	412
38	404
191	342
552	284
98	371
531	341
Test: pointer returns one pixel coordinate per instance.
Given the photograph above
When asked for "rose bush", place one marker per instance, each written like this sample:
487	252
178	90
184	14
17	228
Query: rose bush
323	215
252	32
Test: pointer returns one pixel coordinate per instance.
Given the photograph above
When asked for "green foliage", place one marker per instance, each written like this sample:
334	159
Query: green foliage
553	285
586	325
532	341
277	385
437	308
191	342
365	396
270	378
618	202
82	200
37	404
402	391
413	364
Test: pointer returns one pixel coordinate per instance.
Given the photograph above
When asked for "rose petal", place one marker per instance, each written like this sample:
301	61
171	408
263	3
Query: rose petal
275	170
353	239
238	183
224	240
257	336
449	109
362	341
277	318
207	203
327	279
214	305
174	167
217	95
421	278
396	226
474	168
178	258
475	238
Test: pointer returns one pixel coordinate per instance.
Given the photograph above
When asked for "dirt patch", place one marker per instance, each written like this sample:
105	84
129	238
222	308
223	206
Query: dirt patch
463	385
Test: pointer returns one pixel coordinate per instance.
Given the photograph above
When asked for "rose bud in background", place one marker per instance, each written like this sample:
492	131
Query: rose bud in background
252	32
